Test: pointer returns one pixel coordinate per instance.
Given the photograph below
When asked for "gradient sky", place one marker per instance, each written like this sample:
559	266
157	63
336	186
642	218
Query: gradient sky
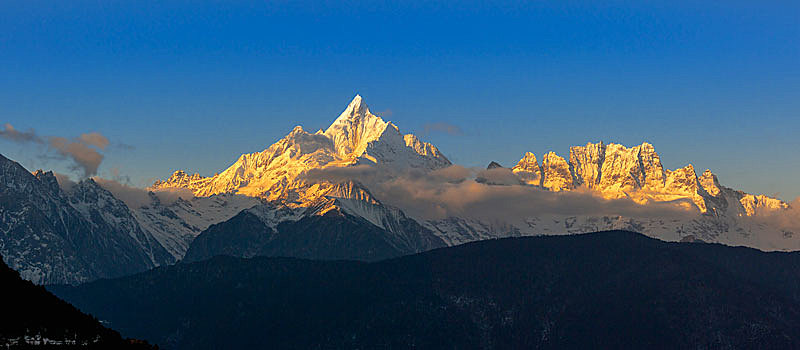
193	84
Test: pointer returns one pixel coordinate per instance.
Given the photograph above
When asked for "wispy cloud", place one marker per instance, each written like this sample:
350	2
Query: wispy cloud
117	176
82	152
385	114
453	191
444	127
135	197
95	139
123	146
9	133
84	158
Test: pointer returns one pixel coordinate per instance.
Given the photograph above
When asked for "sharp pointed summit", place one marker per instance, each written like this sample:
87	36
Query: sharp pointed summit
355	128
356	110
356	137
357	104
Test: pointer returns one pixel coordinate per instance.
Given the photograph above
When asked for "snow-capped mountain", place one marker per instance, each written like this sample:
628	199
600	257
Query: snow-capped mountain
616	171
715	213
278	175
356	137
176	225
105	213
292	199
54	236
611	171
271	180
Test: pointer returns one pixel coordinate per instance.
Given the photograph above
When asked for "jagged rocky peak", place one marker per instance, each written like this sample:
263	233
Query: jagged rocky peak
621	168
587	162
494	165
601	166
651	166
682	180
683	183
298	143
355	128
360	135
48	178
528	162
528	170
710	183
179	177
89	191
357	107
556	173
423	148
754	204
617	171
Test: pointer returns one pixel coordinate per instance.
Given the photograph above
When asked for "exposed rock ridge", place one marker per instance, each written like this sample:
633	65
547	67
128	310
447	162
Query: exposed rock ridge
75	235
616	171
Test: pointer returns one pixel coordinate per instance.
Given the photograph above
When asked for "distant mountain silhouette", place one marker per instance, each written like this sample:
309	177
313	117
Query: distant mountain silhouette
34	318
611	289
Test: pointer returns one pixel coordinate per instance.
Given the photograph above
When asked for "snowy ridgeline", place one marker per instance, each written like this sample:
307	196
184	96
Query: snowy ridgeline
297	170
73	235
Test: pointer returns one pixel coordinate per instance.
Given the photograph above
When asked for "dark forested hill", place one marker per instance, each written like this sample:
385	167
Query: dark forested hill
602	290
32	317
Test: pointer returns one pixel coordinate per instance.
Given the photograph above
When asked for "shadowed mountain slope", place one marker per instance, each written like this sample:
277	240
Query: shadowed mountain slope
34	318
610	289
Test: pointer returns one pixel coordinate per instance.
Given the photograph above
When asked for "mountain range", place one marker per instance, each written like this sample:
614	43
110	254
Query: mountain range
323	195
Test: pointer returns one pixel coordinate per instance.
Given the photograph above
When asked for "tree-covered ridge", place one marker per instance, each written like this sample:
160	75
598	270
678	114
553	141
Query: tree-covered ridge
604	290
34	318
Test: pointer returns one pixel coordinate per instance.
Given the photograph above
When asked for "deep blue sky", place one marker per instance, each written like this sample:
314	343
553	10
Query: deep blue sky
193	84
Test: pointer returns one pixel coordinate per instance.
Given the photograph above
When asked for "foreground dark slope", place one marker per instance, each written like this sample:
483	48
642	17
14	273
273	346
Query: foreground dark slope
609	289
30	311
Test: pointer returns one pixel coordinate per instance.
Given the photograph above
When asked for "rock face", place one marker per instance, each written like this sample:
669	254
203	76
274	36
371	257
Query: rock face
528	170
556	174
616	171
715	213
55	236
175	225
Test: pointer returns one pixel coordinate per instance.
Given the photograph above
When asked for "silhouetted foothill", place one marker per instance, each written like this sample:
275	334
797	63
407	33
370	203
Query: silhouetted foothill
603	290
33	318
